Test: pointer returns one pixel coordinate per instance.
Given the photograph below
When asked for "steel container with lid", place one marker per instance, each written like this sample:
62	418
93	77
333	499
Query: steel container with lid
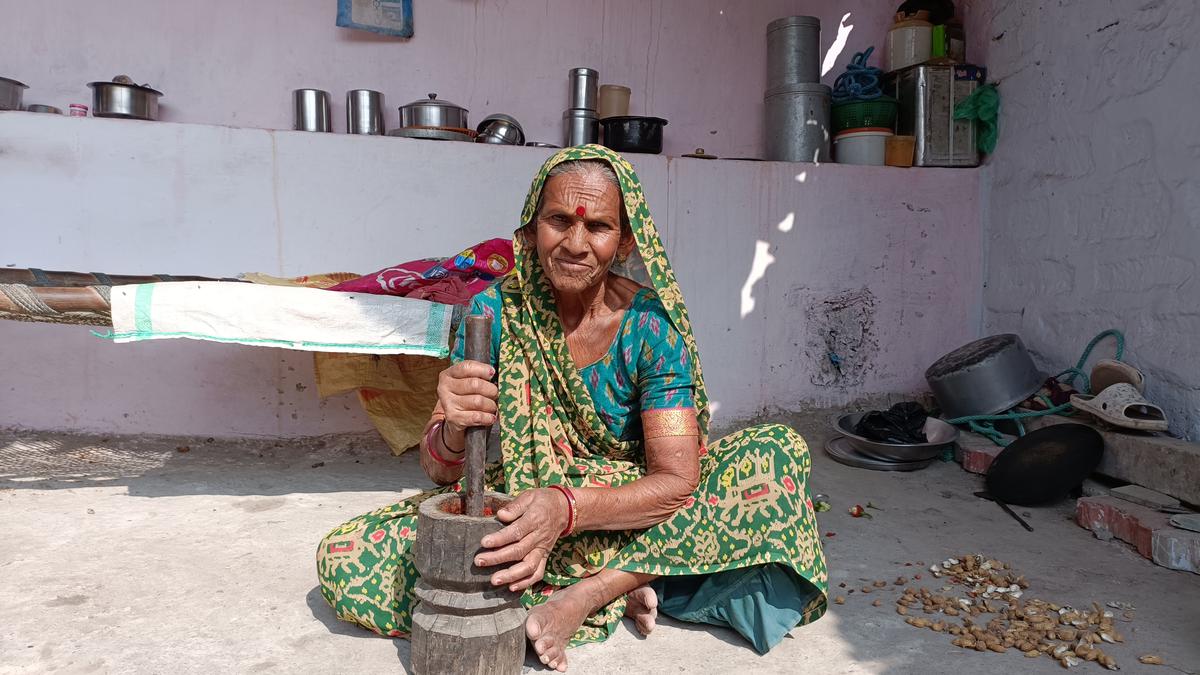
584	87
984	377
797	123
433	112
124	100
793	51
580	127
12	93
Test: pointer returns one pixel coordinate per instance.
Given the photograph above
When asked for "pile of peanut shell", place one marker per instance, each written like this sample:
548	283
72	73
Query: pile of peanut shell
987	613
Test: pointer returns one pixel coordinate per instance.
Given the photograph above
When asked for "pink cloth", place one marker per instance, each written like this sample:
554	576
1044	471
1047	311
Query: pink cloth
451	281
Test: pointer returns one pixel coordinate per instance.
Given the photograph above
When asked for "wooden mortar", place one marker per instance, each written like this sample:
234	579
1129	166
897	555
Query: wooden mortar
462	623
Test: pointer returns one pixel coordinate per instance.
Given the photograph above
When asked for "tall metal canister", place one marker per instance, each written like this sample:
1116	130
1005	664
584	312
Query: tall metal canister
797	123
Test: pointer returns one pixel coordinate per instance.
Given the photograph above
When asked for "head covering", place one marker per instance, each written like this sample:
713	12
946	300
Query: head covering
546	412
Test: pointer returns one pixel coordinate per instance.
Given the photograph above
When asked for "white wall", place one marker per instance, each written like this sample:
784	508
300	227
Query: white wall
1092	217
138	197
698	63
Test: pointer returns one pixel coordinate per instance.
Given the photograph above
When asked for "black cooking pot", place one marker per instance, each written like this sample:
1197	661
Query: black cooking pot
633	133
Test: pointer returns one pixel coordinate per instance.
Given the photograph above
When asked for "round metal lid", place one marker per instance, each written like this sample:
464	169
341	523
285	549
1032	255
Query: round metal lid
793	21
12	81
435	101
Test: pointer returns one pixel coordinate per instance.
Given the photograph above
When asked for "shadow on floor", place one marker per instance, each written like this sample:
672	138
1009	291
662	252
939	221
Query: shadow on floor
164	467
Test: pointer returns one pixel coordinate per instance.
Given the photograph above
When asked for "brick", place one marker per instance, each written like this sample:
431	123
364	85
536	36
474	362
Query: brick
975	452
1145	529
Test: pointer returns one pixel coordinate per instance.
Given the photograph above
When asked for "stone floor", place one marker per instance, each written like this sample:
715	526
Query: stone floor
130	556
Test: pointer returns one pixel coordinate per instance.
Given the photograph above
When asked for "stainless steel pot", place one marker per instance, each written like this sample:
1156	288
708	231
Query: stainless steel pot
984	377
433	113
580	127
500	129
128	101
11	94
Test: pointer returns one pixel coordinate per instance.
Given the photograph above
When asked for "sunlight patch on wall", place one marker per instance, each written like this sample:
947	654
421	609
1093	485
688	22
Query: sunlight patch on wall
758	269
839	43
786	224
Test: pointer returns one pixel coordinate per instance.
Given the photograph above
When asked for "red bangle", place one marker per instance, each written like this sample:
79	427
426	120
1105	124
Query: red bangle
572	511
436	430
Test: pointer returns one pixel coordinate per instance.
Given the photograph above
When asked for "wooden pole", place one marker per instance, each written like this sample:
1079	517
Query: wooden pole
478	348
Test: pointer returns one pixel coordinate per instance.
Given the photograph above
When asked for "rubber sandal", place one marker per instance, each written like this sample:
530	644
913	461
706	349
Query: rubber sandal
1108	372
1121	405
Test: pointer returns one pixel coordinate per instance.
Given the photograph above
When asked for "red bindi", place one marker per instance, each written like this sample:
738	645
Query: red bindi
580	211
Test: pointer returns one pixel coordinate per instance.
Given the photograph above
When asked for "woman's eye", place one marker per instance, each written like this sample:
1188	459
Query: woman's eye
595	226
560	218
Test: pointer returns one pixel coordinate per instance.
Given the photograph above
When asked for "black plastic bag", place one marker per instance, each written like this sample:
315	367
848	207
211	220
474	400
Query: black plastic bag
902	424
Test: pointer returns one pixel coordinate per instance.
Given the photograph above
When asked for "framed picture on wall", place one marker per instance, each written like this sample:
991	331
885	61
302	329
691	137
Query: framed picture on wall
386	17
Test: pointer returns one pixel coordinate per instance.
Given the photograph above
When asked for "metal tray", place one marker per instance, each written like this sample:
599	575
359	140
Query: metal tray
842	452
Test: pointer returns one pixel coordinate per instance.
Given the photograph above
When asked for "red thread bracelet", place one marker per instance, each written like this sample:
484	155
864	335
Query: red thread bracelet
436	430
572	509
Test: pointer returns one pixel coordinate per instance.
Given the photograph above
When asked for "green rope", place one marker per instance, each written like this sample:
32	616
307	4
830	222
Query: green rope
984	425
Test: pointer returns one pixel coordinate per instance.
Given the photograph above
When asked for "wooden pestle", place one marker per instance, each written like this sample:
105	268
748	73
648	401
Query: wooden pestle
478	348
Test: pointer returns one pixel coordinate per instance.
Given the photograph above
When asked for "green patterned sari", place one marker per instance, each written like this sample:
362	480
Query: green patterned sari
742	552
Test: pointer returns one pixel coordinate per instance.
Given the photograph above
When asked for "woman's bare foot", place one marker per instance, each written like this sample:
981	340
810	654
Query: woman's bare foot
551	624
641	605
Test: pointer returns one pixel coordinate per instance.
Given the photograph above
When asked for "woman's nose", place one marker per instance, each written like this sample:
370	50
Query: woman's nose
577	238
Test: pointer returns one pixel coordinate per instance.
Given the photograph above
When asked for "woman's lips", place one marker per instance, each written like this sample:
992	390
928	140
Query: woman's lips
570	266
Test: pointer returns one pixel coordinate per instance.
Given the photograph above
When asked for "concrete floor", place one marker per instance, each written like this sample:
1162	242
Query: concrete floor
129	556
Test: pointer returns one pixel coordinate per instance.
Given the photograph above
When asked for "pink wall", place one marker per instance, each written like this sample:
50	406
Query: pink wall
1092	219
698	63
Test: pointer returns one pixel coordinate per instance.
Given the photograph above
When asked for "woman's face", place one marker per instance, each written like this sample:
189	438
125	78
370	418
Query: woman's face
578	230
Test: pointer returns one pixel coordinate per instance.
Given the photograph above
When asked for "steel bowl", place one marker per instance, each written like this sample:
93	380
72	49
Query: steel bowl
939	433
433	112
40	108
128	101
984	377
11	94
500	129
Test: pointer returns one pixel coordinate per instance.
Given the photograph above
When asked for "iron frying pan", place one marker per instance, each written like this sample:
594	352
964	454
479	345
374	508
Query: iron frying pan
1043	466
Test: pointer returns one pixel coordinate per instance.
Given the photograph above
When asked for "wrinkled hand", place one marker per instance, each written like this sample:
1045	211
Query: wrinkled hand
535	519
468	396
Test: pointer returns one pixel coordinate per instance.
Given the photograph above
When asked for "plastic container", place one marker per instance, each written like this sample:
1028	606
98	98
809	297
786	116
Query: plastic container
899	151
861	146
880	112
908	43
614	101
793	51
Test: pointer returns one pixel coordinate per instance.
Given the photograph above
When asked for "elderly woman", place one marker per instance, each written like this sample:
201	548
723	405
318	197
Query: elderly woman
624	509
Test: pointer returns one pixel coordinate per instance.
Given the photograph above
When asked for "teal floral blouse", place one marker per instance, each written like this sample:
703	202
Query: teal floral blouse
645	368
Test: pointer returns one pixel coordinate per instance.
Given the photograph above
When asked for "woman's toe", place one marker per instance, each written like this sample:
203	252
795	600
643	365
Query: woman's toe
533	628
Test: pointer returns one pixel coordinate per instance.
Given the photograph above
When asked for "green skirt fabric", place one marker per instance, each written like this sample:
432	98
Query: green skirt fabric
744	551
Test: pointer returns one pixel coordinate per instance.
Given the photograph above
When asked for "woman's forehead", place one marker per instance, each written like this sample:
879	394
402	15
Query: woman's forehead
589	185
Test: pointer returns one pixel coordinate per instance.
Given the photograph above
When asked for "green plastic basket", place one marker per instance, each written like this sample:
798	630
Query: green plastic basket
879	112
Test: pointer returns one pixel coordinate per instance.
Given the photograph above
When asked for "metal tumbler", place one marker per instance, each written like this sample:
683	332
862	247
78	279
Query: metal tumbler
312	110
364	112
